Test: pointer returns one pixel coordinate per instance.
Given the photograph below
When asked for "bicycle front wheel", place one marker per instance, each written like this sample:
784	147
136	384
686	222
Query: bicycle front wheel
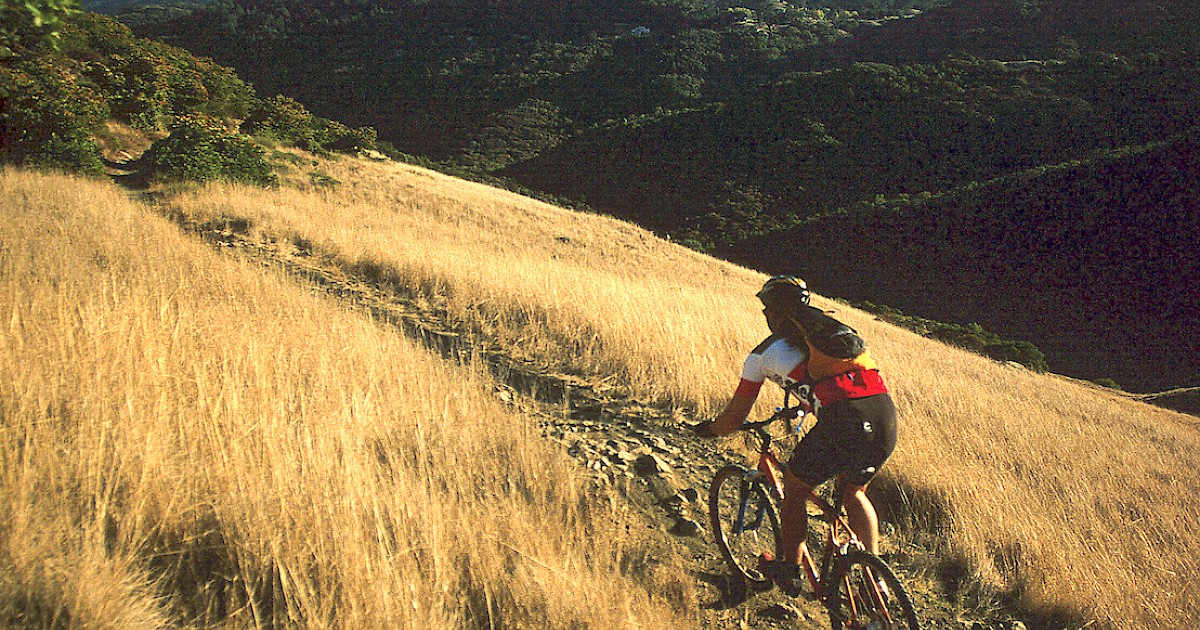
865	593
745	523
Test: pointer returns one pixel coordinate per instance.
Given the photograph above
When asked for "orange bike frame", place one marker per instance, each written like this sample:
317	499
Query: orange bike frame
768	465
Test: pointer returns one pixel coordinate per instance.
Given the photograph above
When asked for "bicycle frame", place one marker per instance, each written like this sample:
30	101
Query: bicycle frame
839	537
857	588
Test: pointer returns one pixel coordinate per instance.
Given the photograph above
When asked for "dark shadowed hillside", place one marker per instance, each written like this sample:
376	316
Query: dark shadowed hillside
1095	263
1012	30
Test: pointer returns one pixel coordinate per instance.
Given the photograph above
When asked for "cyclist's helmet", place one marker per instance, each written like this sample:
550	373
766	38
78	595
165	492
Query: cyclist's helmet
783	292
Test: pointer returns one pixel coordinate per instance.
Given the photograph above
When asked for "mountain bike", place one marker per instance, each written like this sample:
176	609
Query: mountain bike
859	589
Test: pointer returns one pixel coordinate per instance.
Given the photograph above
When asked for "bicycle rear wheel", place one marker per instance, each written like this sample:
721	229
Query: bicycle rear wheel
865	593
745	523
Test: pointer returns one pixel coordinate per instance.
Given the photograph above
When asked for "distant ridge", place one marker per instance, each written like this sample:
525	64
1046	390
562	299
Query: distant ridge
705	131
1186	400
113	7
1015	30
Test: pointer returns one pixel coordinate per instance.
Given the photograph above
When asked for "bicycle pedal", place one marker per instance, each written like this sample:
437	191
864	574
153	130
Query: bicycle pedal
785	575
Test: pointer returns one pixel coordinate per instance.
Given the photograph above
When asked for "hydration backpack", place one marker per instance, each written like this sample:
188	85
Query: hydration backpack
834	348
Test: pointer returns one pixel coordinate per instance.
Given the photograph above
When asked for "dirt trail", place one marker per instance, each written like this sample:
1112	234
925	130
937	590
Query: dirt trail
633	448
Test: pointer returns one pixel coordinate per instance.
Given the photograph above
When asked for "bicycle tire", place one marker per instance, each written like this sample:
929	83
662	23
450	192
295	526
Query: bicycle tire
759	531
856	603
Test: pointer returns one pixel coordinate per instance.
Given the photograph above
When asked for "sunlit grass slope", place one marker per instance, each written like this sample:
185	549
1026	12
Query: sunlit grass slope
187	440
1059	496
584	293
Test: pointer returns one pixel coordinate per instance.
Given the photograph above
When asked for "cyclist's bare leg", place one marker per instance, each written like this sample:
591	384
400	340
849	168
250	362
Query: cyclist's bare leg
793	513
863	519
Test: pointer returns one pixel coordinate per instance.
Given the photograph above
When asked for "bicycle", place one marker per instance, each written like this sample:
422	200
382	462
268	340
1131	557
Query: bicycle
859	590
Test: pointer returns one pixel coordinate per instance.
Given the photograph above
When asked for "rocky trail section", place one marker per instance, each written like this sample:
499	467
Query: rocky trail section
634	450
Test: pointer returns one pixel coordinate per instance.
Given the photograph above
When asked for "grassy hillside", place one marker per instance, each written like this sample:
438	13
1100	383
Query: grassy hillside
991	462
186	440
1036	489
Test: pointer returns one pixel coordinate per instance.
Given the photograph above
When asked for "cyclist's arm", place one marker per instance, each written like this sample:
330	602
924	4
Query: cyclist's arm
734	414
738	408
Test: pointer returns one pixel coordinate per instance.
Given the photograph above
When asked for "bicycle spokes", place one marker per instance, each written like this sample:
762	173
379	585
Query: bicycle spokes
867	603
744	521
868	596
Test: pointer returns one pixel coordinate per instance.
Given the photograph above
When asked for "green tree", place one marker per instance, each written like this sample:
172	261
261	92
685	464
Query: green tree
32	23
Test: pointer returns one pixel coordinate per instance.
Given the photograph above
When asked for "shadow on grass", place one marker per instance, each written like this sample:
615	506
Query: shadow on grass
927	517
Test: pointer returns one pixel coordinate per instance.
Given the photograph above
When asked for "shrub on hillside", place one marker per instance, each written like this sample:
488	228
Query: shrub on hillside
339	137
1021	352
74	150
970	336
55	99
148	83
287	120
47	117
200	148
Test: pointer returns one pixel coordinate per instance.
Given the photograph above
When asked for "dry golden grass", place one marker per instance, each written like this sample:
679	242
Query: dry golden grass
1061	496
583	293
190	440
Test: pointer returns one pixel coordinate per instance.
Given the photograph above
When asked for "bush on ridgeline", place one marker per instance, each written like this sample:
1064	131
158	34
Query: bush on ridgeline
286	120
1021	352
971	336
201	148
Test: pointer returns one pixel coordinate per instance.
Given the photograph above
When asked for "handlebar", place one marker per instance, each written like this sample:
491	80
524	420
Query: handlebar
785	412
759	429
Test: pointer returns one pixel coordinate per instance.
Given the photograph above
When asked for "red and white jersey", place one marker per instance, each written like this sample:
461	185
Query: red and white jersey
778	360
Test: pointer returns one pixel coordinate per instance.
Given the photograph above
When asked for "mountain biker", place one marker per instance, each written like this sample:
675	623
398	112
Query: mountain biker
854	434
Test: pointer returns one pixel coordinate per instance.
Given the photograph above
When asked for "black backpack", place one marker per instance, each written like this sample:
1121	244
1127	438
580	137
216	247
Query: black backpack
828	335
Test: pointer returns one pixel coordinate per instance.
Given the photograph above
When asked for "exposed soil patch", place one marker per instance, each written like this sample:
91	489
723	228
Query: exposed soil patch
120	143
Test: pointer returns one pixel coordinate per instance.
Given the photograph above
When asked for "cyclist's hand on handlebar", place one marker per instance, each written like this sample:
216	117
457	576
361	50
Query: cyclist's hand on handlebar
703	429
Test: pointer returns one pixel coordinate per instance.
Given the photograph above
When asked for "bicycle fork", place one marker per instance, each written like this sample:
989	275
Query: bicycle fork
740	524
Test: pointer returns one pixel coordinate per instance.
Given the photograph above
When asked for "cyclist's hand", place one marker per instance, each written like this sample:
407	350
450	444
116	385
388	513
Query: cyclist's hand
703	429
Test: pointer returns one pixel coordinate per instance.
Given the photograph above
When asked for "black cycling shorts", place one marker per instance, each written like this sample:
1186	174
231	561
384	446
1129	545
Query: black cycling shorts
851	438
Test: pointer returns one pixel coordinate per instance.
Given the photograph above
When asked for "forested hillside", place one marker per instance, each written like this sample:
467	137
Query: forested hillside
1026	29
78	90
719	124
1094	262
